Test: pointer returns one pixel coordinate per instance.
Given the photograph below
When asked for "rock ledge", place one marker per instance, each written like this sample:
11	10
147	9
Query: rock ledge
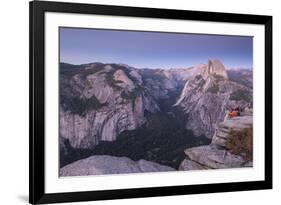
216	155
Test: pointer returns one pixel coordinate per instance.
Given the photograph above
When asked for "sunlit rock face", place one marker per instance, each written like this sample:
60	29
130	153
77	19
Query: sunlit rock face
207	95
98	101
215	67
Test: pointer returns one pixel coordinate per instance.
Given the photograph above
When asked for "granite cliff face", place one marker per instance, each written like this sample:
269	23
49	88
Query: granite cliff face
207	95
97	102
218	154
106	108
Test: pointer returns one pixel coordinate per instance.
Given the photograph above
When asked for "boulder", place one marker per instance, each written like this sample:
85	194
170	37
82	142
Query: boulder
103	164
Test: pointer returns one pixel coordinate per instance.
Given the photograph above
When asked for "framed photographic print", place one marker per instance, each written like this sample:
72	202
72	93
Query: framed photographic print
140	102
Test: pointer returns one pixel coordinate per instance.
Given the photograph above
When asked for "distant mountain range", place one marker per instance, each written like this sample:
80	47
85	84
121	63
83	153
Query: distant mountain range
151	114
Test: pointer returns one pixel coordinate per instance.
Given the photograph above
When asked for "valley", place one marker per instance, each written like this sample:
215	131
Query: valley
145	114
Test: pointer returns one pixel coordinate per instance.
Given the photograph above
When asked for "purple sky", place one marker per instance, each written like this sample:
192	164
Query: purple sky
152	49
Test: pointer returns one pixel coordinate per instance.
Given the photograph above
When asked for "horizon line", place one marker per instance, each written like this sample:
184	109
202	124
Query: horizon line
166	68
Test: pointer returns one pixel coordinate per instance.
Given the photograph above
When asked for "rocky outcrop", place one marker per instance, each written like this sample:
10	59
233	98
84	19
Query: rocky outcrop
207	95
215	67
103	164
229	125
216	155
100	101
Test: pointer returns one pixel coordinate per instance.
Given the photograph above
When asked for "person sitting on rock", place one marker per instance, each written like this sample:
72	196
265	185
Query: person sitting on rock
233	113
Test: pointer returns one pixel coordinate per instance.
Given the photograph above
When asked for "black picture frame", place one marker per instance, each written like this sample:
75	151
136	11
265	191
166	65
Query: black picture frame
37	9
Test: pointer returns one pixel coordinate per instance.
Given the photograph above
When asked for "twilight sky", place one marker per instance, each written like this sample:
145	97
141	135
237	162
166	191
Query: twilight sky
152	49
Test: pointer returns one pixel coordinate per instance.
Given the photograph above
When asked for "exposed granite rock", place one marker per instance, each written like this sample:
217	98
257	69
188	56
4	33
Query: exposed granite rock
215	67
123	80
207	95
216	155
191	165
224	128
103	164
99	102
213	157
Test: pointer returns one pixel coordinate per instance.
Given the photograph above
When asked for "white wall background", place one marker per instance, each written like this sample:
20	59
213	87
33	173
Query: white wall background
14	44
